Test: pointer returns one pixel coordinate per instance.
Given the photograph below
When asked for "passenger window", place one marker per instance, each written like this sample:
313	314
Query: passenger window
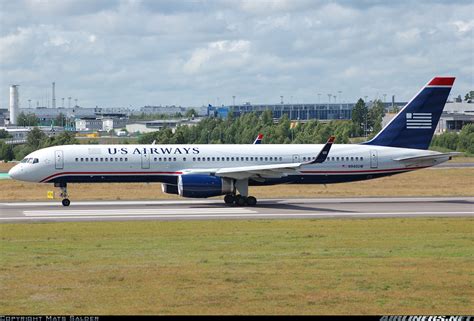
116	159
361	158
213	159
101	159
281	158
337	158
194	159
352	158
121	159
82	159
199	159
87	159
247	159
261	159
106	159
184	159
97	159
232	158
357	158
174	159
228	159
77	159
126	159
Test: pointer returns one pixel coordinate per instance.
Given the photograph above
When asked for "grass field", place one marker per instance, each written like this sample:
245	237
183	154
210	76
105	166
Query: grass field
351	266
427	182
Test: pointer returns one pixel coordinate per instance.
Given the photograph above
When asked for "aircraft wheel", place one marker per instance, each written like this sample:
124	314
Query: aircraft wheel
241	200
251	201
229	199
66	202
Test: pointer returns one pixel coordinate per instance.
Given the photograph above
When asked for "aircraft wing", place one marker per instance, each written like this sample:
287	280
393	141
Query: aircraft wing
268	170
427	157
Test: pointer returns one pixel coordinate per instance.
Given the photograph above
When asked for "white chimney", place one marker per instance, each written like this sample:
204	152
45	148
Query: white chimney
14	104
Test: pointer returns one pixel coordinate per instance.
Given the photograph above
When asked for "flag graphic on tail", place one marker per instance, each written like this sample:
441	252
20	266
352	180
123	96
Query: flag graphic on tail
419	120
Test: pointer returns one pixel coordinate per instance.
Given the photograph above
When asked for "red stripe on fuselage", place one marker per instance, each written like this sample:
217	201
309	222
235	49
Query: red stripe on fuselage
107	173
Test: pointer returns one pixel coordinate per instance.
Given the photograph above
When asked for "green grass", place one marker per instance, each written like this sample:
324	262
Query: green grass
350	266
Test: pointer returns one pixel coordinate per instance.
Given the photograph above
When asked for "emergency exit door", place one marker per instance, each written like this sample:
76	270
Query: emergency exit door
374	163
58	159
145	161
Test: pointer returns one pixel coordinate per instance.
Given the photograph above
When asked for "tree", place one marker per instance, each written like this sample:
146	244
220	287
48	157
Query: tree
6	152
27	120
359	117
4	134
35	138
191	113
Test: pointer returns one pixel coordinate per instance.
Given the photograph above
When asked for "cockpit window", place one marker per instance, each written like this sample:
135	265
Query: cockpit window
30	160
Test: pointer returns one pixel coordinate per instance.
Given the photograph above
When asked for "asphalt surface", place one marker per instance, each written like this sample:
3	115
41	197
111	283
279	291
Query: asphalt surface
216	210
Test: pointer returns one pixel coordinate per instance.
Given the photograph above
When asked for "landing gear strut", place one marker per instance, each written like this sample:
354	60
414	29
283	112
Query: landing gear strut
64	195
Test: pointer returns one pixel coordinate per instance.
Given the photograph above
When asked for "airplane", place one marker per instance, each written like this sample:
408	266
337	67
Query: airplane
258	140
201	171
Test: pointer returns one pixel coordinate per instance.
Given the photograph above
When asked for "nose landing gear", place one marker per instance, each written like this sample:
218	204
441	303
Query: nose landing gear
64	194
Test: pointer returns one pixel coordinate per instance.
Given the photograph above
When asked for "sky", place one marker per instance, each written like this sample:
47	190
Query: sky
132	53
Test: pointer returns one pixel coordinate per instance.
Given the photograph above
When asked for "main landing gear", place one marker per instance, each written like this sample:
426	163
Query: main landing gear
64	195
239	200
242	199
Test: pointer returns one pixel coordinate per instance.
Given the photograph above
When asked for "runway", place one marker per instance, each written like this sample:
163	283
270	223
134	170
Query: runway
216	210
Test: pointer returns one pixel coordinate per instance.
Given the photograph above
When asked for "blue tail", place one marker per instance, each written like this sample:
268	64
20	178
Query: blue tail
414	125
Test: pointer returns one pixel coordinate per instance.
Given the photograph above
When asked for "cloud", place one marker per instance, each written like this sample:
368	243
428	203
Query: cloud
142	52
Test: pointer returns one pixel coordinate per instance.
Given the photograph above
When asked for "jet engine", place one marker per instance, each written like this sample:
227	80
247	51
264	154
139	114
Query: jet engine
202	185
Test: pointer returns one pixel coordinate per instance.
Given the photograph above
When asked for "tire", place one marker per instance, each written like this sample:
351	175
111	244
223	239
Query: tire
229	199
66	202
241	201
251	201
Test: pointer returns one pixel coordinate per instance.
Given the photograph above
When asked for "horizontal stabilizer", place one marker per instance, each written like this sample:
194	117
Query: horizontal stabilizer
427	157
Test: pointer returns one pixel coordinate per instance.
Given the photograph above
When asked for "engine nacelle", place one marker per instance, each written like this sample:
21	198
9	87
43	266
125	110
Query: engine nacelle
202	185
169	189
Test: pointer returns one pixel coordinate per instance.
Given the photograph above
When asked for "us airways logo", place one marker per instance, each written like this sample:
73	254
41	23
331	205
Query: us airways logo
155	150
419	120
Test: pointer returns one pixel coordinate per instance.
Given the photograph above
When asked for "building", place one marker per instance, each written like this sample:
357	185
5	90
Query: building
89	124
333	111
455	115
141	127
19	134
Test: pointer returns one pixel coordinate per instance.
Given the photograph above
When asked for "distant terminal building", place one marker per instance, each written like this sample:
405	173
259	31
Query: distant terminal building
324	112
455	115
168	110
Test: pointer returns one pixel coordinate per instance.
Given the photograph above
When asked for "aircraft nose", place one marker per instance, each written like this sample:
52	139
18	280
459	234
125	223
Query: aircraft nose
14	172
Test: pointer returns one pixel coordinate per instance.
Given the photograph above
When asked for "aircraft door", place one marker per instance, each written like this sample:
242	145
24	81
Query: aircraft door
58	159
373	159
145	161
296	158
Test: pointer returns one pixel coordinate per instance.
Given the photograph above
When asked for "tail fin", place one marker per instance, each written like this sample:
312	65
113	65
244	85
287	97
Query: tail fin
414	125
258	140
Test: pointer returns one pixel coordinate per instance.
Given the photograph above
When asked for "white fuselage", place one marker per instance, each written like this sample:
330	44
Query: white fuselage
163	163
